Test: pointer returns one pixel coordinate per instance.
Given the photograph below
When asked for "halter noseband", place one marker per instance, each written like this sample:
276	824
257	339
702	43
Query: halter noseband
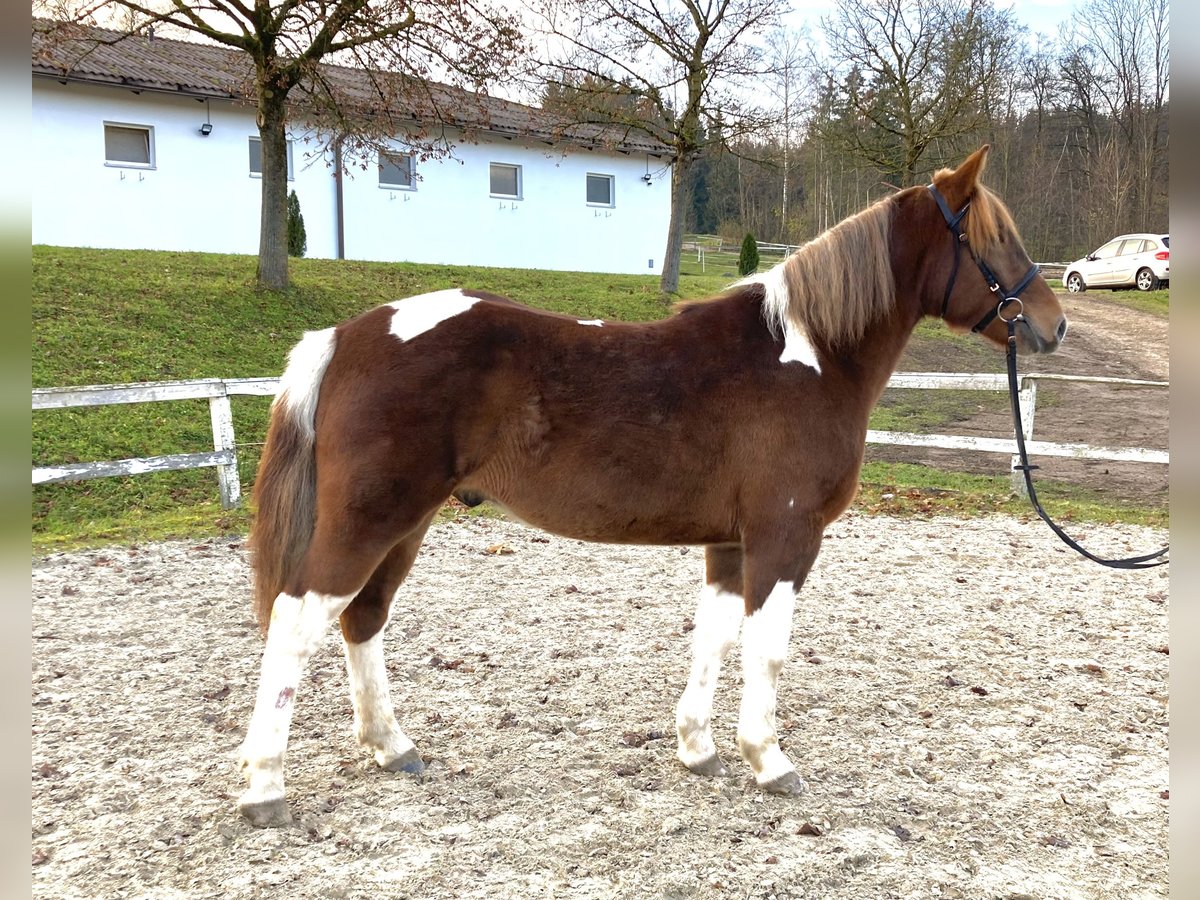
954	223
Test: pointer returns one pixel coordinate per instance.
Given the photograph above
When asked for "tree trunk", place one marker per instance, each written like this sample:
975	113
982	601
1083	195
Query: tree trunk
669	283
272	235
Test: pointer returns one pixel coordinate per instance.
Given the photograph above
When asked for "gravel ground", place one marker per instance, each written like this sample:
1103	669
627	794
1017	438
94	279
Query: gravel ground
978	713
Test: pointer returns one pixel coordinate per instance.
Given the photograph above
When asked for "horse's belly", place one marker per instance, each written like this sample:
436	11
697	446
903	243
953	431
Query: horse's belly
590	508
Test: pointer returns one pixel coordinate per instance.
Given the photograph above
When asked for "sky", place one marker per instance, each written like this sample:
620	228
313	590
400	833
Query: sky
1044	16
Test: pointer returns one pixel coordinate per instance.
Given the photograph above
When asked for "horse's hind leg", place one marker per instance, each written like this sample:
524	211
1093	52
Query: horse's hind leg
298	625
363	623
337	565
718	618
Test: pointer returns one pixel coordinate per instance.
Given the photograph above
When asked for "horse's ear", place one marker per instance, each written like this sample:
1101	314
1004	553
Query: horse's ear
959	185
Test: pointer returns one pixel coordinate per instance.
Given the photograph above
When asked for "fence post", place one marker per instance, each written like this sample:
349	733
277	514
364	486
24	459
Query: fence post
1026	400
223	439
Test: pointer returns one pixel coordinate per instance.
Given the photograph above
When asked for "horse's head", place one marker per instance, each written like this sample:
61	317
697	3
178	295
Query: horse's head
984	277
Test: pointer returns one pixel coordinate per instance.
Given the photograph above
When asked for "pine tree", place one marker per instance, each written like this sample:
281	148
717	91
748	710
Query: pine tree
748	258
297	238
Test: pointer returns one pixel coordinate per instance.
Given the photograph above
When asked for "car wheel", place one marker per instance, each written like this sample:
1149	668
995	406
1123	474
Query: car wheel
1145	280
1074	282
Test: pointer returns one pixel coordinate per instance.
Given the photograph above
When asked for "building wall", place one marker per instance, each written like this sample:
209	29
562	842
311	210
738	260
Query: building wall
199	194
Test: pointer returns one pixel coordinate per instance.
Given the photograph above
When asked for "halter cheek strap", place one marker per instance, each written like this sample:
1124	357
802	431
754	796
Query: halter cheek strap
954	223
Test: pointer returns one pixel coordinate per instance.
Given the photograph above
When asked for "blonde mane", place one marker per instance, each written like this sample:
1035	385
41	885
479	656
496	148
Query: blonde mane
834	286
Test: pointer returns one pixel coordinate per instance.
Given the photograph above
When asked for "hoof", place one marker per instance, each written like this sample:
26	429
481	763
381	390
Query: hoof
408	762
266	813
788	784
712	767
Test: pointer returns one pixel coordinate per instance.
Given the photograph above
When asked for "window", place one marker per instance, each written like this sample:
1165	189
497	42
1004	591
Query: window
1108	250
129	145
396	171
256	158
505	180
600	190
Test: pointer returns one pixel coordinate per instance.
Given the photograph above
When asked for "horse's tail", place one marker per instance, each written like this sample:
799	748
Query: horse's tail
285	489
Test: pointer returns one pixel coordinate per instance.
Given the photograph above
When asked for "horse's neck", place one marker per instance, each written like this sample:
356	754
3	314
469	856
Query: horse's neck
871	362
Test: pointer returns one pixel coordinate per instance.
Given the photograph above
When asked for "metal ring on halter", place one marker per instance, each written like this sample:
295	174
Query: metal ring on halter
1004	303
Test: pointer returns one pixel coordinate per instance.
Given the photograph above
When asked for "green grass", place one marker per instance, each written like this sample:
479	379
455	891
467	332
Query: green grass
1155	302
132	316
904	488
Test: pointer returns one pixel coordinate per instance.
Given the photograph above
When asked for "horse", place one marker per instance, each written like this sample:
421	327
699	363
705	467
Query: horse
738	424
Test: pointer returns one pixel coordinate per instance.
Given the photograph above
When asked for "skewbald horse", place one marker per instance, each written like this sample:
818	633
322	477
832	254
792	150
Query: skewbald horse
737	424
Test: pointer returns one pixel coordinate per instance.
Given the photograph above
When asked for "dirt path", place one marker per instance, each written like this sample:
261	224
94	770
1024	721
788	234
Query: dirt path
978	713
1106	339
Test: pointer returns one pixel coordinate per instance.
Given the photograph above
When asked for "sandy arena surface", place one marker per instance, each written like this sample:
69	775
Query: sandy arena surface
978	713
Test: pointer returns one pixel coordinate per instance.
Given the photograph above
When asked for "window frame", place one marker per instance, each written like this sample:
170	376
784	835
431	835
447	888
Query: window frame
130	164
412	170
520	180
612	190
253	138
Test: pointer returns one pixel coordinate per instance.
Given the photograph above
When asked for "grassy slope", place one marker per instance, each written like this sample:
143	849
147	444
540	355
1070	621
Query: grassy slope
130	316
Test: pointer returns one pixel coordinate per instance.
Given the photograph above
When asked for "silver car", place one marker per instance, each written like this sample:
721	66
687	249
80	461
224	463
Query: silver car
1131	260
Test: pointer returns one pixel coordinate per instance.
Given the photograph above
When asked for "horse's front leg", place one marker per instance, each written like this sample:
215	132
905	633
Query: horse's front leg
775	569
718	619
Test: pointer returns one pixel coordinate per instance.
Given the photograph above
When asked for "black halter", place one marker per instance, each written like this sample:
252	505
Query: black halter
954	223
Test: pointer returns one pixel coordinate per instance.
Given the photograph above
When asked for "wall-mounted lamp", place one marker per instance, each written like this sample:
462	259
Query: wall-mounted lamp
646	178
206	129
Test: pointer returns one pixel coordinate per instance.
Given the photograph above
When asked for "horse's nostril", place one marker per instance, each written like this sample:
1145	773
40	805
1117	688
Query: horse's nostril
1062	328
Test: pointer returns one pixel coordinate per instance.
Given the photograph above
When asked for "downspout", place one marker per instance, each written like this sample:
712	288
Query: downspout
339	198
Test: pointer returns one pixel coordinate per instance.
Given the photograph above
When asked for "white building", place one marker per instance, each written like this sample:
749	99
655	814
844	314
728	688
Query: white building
144	144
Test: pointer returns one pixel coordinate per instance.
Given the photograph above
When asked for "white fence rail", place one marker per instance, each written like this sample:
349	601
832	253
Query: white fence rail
224	454
217	391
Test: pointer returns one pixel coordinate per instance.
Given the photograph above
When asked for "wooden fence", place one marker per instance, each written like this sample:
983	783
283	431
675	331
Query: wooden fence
217	391
224	454
716	252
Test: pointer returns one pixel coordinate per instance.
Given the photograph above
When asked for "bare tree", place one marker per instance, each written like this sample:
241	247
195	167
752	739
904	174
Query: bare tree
398	45
1129	56
787	52
913	75
687	67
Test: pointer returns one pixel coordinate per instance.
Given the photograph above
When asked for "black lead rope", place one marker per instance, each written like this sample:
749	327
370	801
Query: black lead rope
1147	561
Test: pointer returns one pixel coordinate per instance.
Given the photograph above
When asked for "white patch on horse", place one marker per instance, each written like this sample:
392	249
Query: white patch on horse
599	323
301	380
796	345
718	619
375	723
765	637
298	625
415	315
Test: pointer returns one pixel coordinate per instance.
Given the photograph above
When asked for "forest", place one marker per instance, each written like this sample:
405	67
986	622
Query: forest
888	92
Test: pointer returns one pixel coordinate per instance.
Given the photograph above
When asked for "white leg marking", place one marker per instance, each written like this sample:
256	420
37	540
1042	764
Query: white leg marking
599	323
301	380
414	315
765	637
718	619
374	719
298	625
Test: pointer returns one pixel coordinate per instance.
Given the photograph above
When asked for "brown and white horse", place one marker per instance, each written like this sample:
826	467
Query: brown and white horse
738	423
